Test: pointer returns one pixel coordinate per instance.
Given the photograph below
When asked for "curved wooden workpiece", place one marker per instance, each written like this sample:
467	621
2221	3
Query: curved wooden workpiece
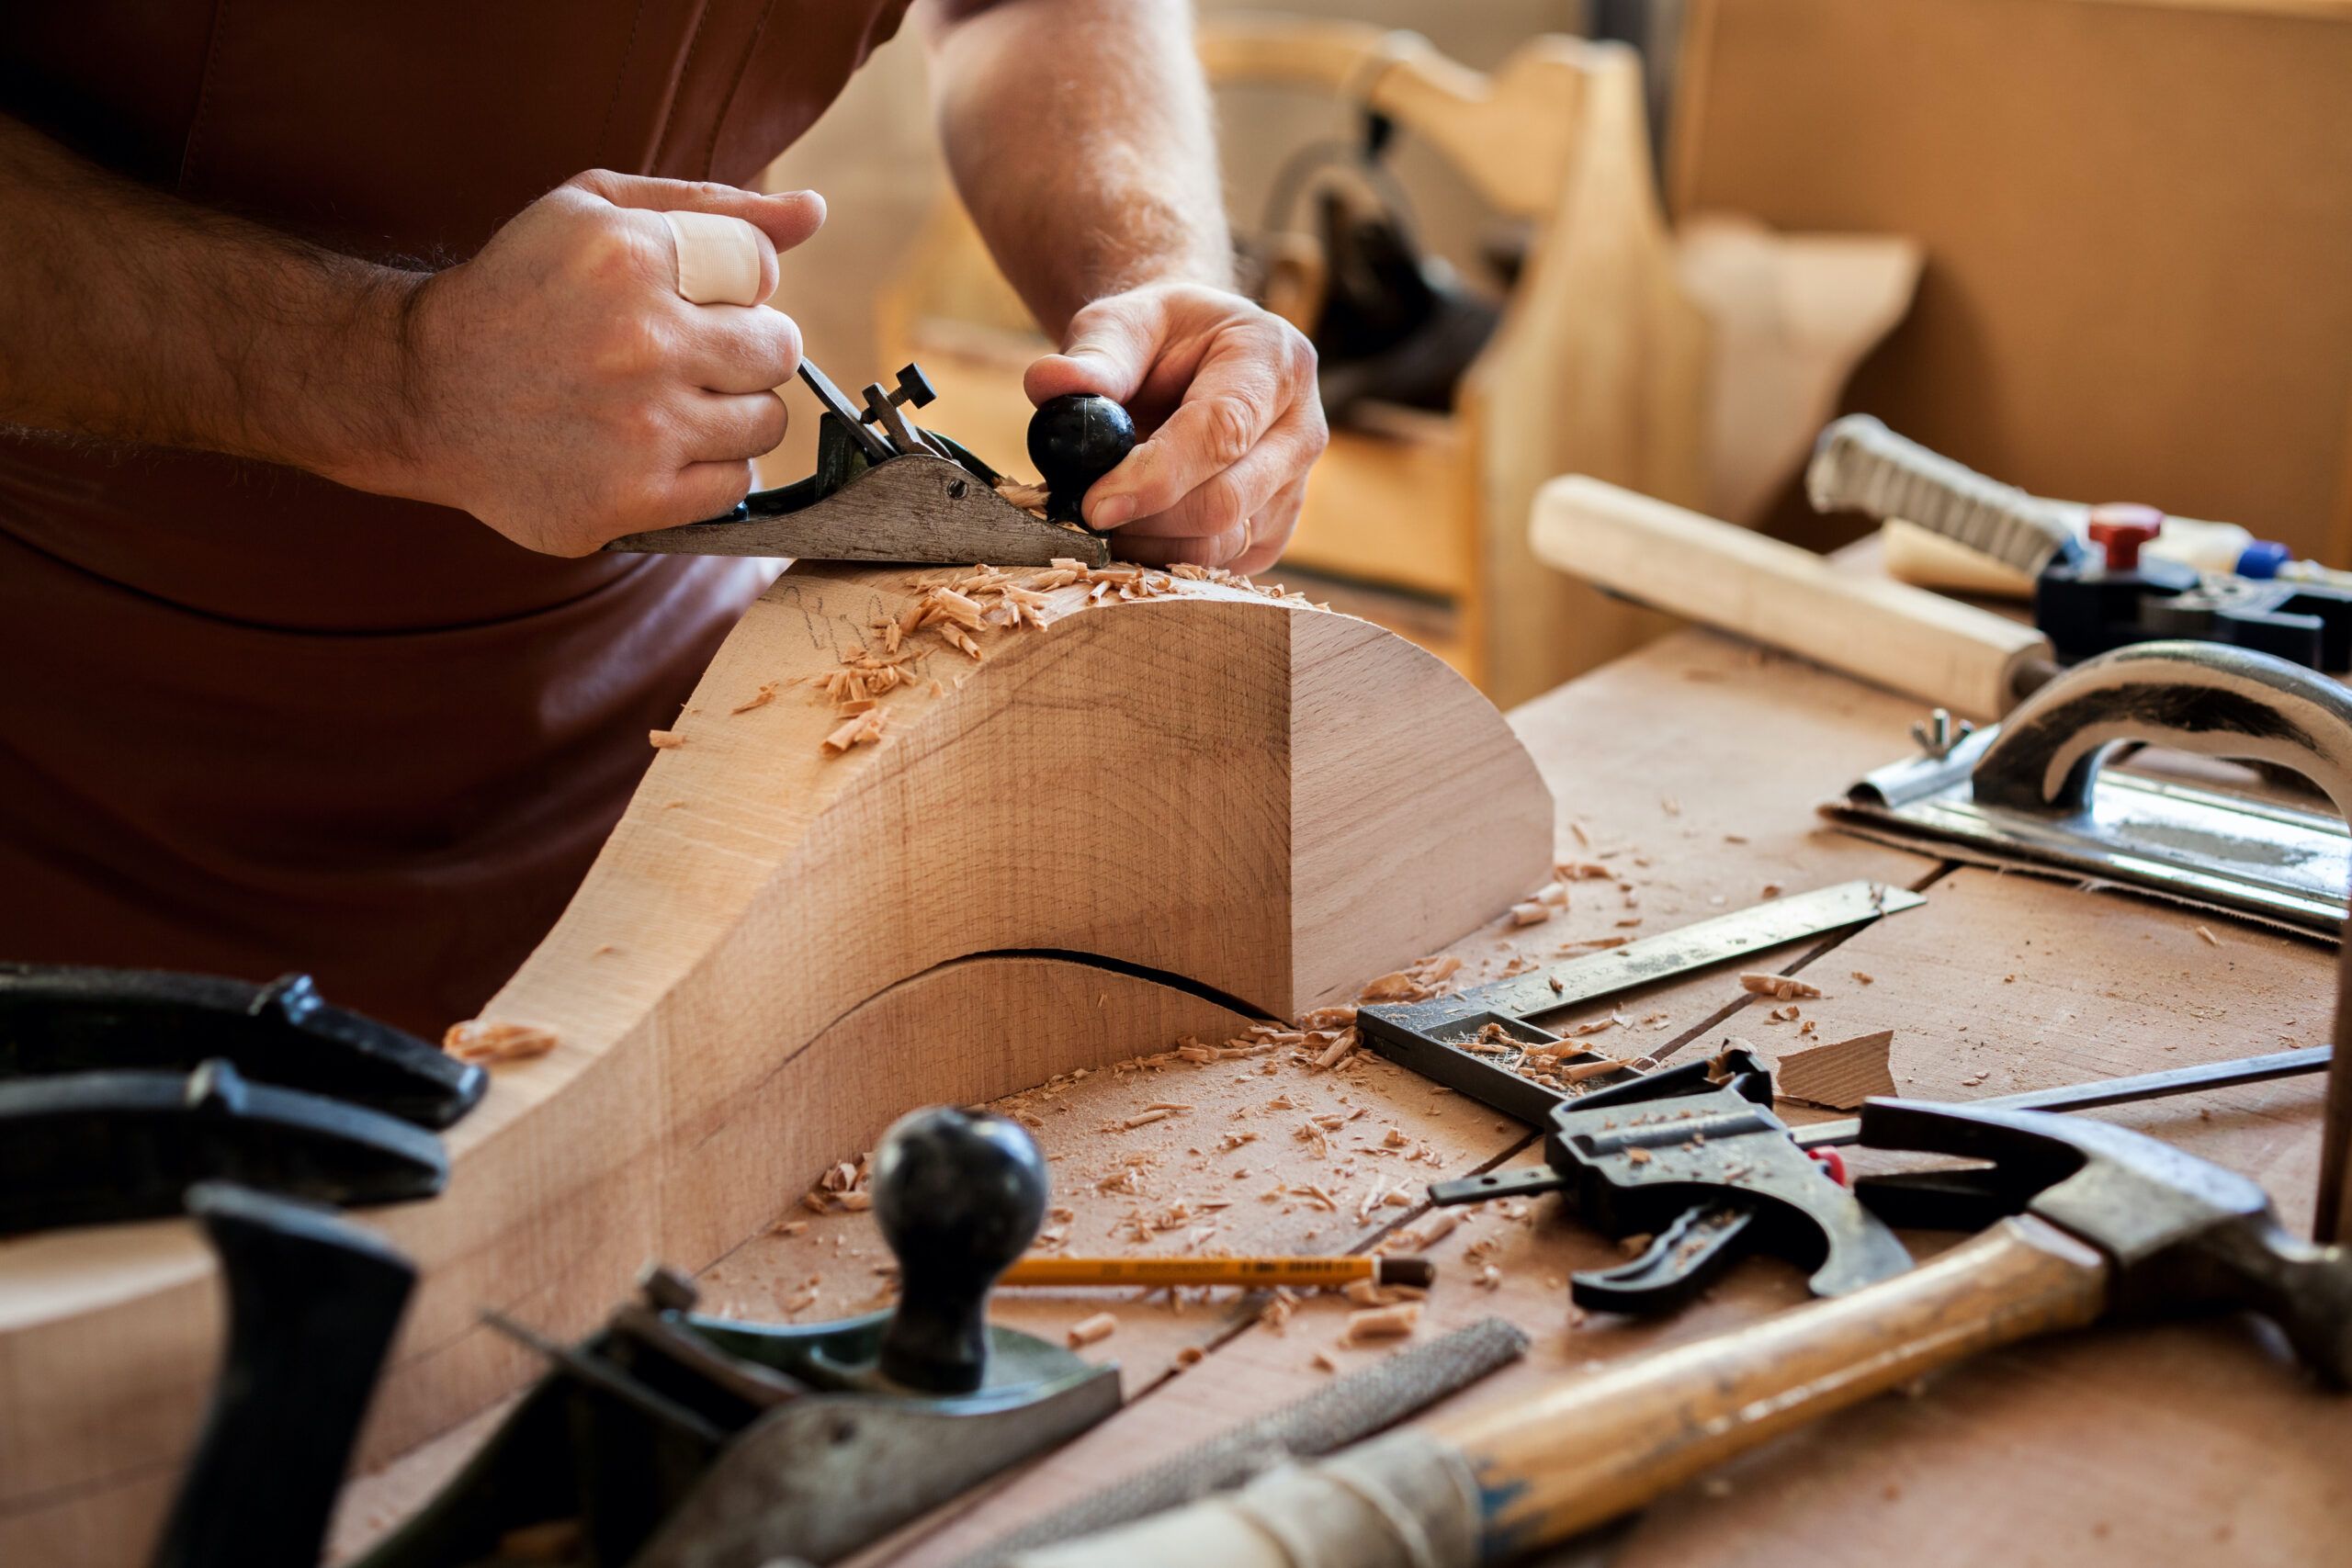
1139	820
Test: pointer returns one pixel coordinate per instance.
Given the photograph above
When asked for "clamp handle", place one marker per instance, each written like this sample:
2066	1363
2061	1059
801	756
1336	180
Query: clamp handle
313	1302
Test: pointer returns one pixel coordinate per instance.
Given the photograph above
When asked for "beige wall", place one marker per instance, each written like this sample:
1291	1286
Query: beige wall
874	158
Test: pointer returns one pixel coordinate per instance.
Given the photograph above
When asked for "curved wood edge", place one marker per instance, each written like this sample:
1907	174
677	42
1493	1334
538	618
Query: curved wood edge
1210	784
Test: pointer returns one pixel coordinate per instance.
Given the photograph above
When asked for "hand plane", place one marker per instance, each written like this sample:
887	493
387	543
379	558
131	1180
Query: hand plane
888	489
120	1089
669	1439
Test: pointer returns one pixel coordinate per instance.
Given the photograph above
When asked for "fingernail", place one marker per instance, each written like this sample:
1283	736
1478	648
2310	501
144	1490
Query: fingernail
1113	511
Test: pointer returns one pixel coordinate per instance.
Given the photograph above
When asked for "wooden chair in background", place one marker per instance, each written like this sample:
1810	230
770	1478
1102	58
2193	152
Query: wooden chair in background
1621	352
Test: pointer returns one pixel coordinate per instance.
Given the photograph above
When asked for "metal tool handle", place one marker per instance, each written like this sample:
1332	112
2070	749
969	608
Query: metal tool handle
1858	465
1497	1481
2205	697
2214	700
312	1304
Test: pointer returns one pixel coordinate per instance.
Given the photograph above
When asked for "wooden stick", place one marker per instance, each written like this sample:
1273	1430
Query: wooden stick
1537	1469
1891	633
1250	1274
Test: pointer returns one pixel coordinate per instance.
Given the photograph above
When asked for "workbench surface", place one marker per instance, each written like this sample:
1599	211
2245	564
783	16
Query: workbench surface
1691	770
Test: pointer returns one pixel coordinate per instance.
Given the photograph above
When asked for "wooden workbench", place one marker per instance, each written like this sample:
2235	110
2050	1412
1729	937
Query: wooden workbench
1691	769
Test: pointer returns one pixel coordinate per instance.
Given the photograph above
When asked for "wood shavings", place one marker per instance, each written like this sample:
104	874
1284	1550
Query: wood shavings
1381	1323
1839	1075
1862	980
666	740
1780	987
1337	1052
1028	497
1530	914
1092	1330
485	1043
1491	1277
1418	981
860	729
759	699
1322	1362
2207	933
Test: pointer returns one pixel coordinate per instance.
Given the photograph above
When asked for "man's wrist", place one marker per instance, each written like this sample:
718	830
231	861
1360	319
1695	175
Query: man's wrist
375	394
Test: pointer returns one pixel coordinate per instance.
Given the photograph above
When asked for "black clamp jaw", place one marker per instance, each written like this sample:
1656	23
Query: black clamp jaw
670	1438
1693	1157
2091	601
119	1090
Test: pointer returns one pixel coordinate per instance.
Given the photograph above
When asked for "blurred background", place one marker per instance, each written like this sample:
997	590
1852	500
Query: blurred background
2101	249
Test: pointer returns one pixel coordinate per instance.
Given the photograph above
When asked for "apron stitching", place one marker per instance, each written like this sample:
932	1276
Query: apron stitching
686	69
203	94
628	51
727	104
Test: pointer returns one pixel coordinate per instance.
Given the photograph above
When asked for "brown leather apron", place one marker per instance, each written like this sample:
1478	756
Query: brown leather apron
251	721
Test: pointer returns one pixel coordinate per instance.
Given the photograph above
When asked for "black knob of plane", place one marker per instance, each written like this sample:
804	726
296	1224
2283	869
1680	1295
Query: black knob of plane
1075	440
960	1195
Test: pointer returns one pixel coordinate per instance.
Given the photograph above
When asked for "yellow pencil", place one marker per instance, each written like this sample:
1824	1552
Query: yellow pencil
1247	1272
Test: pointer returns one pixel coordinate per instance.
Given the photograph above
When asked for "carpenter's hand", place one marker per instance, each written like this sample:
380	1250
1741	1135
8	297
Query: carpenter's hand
1225	394
565	394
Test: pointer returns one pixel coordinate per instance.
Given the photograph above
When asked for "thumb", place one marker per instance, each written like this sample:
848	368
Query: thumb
1109	351
779	223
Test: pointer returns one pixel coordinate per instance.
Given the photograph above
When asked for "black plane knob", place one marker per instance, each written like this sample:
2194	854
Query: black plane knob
1075	440
960	1195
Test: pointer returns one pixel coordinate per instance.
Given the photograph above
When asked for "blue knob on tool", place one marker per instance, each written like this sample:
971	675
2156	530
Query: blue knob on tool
1075	440
960	1195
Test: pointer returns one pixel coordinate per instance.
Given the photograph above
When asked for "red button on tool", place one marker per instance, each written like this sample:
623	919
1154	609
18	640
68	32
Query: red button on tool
2120	527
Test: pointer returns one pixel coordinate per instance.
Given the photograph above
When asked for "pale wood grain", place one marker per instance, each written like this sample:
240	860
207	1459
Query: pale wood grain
779	950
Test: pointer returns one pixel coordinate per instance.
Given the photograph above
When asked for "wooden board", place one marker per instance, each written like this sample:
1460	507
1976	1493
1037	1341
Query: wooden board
1193	806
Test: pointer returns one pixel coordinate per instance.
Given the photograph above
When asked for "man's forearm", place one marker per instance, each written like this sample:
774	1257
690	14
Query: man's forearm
132	315
1078	135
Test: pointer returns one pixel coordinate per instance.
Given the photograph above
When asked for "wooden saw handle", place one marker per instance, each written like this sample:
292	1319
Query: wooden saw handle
1500	1480
1950	654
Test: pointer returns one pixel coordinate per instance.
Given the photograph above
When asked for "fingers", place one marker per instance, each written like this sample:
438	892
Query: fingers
1247	546
1111	348
1233	495
781	221
1243	387
708	490
723	428
740	348
1213	549
1272	529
